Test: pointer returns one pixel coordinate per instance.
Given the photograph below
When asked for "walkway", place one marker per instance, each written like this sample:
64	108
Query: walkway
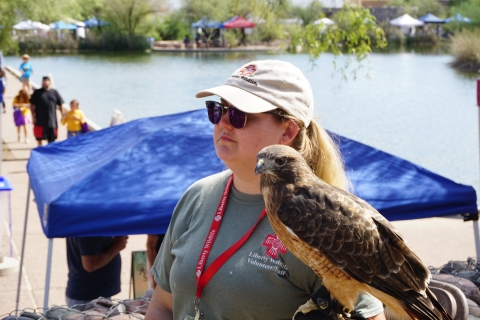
436	240
13	167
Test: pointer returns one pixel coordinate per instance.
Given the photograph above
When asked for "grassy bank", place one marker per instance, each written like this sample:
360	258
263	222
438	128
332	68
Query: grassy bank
465	47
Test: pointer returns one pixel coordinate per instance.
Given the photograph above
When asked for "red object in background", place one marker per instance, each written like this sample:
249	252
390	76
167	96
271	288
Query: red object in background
238	22
478	92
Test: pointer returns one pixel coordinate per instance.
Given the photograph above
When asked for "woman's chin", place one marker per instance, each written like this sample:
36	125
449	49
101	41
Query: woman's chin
225	155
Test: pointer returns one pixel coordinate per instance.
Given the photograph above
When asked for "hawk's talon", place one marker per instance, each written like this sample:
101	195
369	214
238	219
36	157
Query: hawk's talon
306	308
347	312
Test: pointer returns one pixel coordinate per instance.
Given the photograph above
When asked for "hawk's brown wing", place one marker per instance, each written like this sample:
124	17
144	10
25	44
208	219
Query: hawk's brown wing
356	239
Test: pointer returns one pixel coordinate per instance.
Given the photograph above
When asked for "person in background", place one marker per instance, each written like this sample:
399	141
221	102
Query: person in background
21	113
197	38
94	266
43	104
154	241
26	71
3	80
241	270
186	40
74	120
2	89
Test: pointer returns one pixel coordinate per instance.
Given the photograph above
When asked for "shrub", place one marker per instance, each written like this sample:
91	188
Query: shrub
173	28
113	41
465	47
53	42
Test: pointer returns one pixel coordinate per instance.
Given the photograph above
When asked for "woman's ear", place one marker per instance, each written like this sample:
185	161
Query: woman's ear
291	131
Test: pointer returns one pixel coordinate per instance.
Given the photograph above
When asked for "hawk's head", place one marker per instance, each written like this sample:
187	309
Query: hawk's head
280	162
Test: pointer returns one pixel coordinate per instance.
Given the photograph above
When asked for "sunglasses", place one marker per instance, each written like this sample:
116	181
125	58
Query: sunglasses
216	111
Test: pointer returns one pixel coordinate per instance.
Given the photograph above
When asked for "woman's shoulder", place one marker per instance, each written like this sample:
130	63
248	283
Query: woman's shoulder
205	185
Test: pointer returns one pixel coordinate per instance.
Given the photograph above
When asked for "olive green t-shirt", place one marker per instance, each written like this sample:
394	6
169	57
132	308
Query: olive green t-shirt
262	280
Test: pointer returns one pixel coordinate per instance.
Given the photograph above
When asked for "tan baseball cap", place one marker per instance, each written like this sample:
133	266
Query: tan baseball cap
265	85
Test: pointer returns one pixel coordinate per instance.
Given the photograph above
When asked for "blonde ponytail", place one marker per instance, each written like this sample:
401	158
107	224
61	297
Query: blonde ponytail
324	157
320	151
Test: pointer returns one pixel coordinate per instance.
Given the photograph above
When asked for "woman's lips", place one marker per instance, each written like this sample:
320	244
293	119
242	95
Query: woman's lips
225	137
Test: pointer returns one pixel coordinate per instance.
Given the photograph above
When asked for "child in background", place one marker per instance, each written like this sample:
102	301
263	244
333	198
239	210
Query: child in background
26	70
21	113
74	120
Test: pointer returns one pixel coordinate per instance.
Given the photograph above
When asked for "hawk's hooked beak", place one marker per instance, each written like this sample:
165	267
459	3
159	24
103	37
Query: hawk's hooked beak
260	167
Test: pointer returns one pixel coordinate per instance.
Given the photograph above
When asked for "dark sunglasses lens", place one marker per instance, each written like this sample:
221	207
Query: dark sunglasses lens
237	118
214	111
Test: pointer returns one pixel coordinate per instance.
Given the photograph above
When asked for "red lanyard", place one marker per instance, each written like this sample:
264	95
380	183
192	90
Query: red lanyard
204	278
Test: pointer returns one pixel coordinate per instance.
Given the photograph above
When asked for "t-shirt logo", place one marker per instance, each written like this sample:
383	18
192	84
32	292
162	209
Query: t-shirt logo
274	245
248	70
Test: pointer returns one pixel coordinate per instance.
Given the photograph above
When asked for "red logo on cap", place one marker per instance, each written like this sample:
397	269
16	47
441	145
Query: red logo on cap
248	70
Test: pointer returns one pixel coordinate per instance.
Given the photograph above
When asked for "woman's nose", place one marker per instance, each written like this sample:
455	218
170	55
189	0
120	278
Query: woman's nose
225	121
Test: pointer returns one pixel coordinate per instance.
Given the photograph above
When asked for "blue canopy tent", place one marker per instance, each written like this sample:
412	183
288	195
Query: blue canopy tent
62	25
127	179
94	22
430	18
207	23
135	173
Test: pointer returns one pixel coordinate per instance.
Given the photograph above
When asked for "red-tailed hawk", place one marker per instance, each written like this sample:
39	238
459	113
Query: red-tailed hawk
346	242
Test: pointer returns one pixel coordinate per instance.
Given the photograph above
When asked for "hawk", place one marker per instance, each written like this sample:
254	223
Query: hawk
345	241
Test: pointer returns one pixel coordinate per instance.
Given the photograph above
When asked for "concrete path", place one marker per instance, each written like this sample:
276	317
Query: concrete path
437	240
33	281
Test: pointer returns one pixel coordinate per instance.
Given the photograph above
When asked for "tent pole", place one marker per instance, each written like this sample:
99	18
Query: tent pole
477	238
475	221
23	245
49	269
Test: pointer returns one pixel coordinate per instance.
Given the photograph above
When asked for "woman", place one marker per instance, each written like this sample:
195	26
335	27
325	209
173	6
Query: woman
267	102
22	114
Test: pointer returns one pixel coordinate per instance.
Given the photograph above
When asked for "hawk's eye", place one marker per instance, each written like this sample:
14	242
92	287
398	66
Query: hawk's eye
280	161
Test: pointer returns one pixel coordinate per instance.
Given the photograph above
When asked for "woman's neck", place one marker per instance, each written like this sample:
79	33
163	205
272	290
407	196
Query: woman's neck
249	184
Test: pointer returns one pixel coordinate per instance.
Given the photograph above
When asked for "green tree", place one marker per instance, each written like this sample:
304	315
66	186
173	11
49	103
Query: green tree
468	8
352	34
419	8
127	15
173	27
309	13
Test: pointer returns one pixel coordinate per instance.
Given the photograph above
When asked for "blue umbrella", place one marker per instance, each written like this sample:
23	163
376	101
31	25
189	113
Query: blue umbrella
61	25
458	18
128	178
94	22
430	18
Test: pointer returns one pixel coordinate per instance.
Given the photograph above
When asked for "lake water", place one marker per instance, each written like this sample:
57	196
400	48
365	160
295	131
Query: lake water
411	105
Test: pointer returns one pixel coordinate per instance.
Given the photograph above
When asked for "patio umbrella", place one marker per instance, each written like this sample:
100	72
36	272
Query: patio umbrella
238	22
24	25
458	18
406	21
430	18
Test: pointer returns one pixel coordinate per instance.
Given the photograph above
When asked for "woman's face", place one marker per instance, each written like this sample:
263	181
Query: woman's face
238	148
